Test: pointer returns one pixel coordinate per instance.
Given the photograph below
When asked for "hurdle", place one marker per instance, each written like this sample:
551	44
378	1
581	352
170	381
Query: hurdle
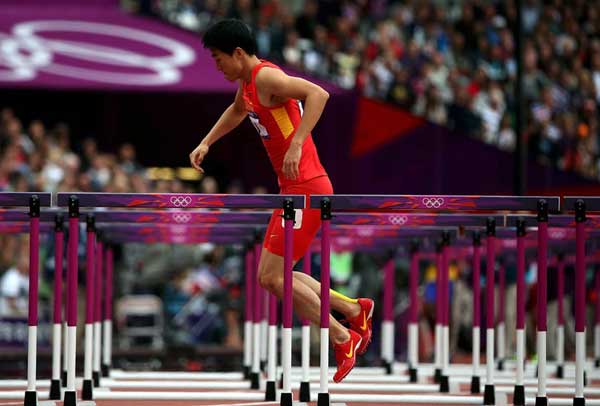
34	202
380	203
178	201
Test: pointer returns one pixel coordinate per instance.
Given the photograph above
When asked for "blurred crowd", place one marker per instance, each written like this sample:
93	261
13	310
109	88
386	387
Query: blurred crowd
450	61
36	158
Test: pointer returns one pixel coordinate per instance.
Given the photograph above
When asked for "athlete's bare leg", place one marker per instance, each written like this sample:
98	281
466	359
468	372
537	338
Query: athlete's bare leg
306	302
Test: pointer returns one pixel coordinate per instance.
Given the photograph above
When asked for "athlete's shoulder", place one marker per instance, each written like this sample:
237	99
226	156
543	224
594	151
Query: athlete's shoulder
269	75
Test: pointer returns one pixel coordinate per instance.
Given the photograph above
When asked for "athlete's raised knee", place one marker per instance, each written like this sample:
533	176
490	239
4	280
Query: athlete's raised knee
270	281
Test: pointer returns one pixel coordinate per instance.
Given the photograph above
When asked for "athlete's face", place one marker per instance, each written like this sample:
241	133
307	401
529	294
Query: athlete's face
230	65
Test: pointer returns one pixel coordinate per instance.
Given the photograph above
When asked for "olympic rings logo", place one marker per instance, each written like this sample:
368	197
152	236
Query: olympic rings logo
398	220
433	202
181	201
25	52
181	217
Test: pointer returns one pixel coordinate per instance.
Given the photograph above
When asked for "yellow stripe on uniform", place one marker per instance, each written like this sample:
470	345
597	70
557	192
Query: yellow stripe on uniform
283	121
342	297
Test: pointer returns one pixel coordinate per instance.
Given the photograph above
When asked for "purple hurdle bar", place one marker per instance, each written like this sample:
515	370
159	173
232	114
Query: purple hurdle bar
475	380
98	312
183	217
388	203
23	199
55	384
403	220
107	327
90	306
172	239
305	382
179	201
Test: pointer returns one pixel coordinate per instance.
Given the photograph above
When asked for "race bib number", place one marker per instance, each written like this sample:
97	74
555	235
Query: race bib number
262	131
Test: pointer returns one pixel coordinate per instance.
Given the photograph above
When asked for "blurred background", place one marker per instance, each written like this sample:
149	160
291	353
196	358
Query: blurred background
427	97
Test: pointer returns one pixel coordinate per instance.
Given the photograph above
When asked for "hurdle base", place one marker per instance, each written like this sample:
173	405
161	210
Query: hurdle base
63	379
271	392
246	372
578	401
444	384
501	365
519	395
585	378
54	390
304	391
286	399
413	376
489	395
388	367
31	398
280	382
254	380
87	392
323	399
541	401
263	365
96	378
105	369
597	363
70	398
437	375
475	384
560	371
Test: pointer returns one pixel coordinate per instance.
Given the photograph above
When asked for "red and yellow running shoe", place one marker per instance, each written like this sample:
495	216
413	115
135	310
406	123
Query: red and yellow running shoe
362	323
345	355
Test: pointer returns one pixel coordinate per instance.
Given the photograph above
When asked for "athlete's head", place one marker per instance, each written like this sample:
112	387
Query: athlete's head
230	42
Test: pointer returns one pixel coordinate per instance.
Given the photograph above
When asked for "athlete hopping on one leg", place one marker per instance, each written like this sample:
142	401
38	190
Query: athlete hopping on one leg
273	102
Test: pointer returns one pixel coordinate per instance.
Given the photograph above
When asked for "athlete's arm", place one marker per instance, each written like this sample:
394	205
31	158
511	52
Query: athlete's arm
230	119
274	82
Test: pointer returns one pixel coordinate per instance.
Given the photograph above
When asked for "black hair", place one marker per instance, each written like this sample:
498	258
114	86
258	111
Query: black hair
229	34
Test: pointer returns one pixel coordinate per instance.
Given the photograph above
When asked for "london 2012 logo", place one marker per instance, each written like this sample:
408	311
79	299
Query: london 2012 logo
96	52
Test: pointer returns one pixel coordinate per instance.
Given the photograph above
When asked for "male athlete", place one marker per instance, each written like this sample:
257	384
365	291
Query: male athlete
273	102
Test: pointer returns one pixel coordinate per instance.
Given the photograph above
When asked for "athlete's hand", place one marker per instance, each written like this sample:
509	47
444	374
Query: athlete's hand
291	161
197	156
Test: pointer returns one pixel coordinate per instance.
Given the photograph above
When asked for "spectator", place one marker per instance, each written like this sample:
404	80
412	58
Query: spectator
14	284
